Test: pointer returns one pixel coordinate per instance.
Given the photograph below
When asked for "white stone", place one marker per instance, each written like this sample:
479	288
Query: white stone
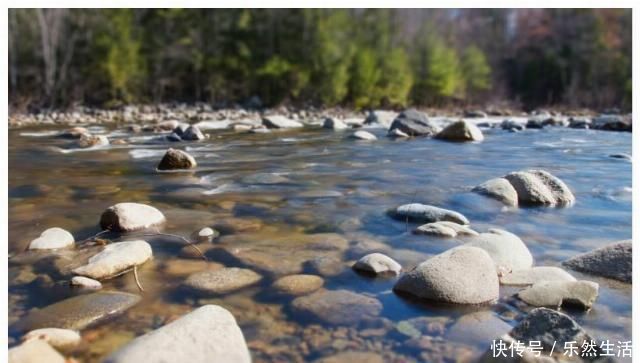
280	122
52	238
506	249
208	334
555	293
86	283
127	217
115	258
34	351
364	135
462	275
62	339
534	275
377	263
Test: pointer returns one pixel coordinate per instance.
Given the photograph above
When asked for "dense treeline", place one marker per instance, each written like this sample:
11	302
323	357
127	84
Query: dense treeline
352	57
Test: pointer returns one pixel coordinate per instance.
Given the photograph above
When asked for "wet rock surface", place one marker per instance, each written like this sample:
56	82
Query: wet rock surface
337	307
176	159
414	123
221	281
78	312
377	263
297	284
557	293
613	261
538	187
461	131
427	213
534	275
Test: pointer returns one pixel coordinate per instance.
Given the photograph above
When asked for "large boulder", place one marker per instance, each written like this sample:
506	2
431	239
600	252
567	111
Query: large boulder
128	217
280	122
539	187
192	133
506	249
377	263
426	213
414	123
462	275
79	311
556	293
221	281
176	159
52	238
500	189
208	334
461	131
337	307
612	261
116	258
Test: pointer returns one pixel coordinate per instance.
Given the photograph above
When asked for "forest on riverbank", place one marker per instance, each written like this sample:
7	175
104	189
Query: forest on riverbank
360	58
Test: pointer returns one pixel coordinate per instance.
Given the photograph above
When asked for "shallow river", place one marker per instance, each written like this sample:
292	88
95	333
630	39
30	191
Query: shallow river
335	188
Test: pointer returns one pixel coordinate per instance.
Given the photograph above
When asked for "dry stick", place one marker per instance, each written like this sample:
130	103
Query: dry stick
135	276
94	236
190	243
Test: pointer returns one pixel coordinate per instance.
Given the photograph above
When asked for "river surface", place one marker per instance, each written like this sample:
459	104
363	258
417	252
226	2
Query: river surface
332	186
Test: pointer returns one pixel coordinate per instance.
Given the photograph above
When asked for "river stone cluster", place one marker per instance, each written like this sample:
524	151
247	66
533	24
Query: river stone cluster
530	187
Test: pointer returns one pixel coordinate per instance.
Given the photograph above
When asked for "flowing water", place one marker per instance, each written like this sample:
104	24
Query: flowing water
332	187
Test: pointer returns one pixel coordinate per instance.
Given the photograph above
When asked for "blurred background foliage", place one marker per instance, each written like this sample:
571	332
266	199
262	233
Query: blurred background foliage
362	58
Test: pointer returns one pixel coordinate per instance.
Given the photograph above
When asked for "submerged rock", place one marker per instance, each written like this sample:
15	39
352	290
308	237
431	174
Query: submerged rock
612	261
34	351
87	141
414	123
539	187
62	339
79	311
479	327
551	328
280	122
128	217
506	249
377	263
192	133
352	357
462	275
445	229
364	135
427	213
116	258
557	293
74	133
535	275
500	189
337	307
461	131
265	179
221	281
176	159
297	284
207	334
52	238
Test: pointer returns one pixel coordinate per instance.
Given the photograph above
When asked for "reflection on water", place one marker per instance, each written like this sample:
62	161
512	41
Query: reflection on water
281	191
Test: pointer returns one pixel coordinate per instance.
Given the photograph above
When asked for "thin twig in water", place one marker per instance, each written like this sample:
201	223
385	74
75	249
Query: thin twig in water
135	276
94	236
190	243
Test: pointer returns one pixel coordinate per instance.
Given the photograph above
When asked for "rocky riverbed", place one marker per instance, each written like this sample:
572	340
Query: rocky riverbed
197	235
